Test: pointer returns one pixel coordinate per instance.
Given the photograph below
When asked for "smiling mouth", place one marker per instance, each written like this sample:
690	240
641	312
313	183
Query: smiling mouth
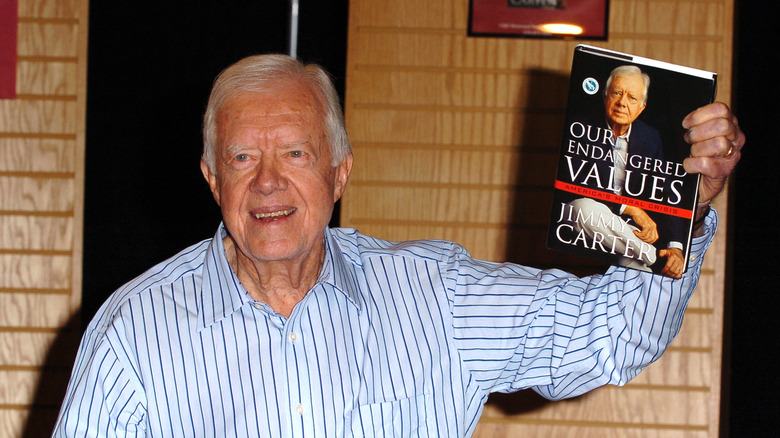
273	216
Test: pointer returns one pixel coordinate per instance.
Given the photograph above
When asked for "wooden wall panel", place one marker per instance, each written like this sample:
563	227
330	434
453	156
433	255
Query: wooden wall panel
41	197
457	137
27	154
52	78
36	233
49	38
26	349
46	9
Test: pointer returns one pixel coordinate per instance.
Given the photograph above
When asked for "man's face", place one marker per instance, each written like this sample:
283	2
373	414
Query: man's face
274	179
624	101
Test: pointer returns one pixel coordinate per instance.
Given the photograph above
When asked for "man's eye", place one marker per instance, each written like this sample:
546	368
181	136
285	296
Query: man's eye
242	157
296	154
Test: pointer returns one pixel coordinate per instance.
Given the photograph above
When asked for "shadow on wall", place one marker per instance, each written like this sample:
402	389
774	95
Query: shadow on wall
55	373
538	138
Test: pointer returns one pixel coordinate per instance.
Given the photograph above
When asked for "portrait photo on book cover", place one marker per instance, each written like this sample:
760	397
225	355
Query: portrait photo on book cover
622	194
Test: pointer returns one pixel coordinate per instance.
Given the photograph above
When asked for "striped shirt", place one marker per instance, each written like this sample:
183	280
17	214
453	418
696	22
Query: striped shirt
395	340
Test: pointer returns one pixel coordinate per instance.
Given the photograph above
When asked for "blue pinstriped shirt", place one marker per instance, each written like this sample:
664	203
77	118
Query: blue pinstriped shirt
395	340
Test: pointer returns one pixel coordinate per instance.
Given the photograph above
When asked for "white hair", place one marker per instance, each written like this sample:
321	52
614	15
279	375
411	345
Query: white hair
256	74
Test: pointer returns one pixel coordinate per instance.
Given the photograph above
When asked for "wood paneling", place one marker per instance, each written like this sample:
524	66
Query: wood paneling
41	197
457	137
30	154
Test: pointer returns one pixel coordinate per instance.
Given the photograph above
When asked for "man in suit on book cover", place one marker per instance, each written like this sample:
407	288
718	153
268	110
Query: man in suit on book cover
625	98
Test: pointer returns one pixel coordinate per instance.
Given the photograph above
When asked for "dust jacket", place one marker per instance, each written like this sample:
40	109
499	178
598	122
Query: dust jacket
621	193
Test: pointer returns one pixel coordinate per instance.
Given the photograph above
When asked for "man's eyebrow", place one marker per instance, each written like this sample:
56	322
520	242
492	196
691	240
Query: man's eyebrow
240	147
235	148
295	144
298	143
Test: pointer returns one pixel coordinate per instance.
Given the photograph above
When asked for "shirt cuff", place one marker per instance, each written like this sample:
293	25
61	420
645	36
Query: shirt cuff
700	244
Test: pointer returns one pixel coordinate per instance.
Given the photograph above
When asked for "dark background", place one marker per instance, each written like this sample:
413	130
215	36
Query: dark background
151	65
752	376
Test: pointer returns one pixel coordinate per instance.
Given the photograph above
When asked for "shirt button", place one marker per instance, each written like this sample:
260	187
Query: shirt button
693	258
299	409
293	337
257	305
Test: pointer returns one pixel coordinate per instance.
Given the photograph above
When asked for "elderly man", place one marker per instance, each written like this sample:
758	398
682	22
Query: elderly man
279	326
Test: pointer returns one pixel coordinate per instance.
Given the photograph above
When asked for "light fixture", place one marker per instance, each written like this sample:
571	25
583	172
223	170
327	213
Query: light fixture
561	29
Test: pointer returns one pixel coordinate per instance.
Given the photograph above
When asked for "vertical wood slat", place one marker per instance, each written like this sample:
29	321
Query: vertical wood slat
457	138
42	189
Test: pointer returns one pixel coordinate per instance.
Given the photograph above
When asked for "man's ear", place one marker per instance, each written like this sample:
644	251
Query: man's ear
211	179
342	176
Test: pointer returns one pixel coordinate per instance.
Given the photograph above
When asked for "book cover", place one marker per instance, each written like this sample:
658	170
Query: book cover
621	193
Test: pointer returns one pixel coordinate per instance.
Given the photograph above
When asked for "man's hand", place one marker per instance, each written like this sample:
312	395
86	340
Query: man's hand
716	145
649	229
674	262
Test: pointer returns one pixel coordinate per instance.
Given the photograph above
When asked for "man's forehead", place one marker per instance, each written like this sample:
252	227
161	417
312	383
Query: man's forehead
282	113
275	96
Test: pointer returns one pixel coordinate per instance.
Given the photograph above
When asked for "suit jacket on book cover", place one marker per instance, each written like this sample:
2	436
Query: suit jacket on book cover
621	192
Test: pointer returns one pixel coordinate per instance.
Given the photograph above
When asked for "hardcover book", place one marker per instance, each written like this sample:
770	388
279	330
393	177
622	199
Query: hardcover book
621	192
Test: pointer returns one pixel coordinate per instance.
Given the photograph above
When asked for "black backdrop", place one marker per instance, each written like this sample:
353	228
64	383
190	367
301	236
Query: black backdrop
151	64
753	301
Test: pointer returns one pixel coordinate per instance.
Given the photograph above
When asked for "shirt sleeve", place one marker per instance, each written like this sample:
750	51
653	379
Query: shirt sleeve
104	397
518	327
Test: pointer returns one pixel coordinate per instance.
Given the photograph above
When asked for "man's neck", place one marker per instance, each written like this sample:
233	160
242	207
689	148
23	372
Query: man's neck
279	284
621	130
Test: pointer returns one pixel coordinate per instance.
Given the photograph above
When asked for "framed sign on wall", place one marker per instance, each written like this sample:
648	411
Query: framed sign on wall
565	19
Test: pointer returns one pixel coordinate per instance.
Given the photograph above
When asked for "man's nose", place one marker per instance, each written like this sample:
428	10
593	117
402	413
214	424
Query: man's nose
268	178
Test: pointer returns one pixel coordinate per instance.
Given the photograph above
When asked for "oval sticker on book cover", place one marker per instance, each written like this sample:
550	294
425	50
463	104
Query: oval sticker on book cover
590	86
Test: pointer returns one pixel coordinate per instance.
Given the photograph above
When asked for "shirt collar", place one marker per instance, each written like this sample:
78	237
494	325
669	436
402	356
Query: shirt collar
628	133
340	271
221	293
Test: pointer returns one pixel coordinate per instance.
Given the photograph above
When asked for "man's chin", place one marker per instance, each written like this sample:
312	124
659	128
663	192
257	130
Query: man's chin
278	251
621	120
256	256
